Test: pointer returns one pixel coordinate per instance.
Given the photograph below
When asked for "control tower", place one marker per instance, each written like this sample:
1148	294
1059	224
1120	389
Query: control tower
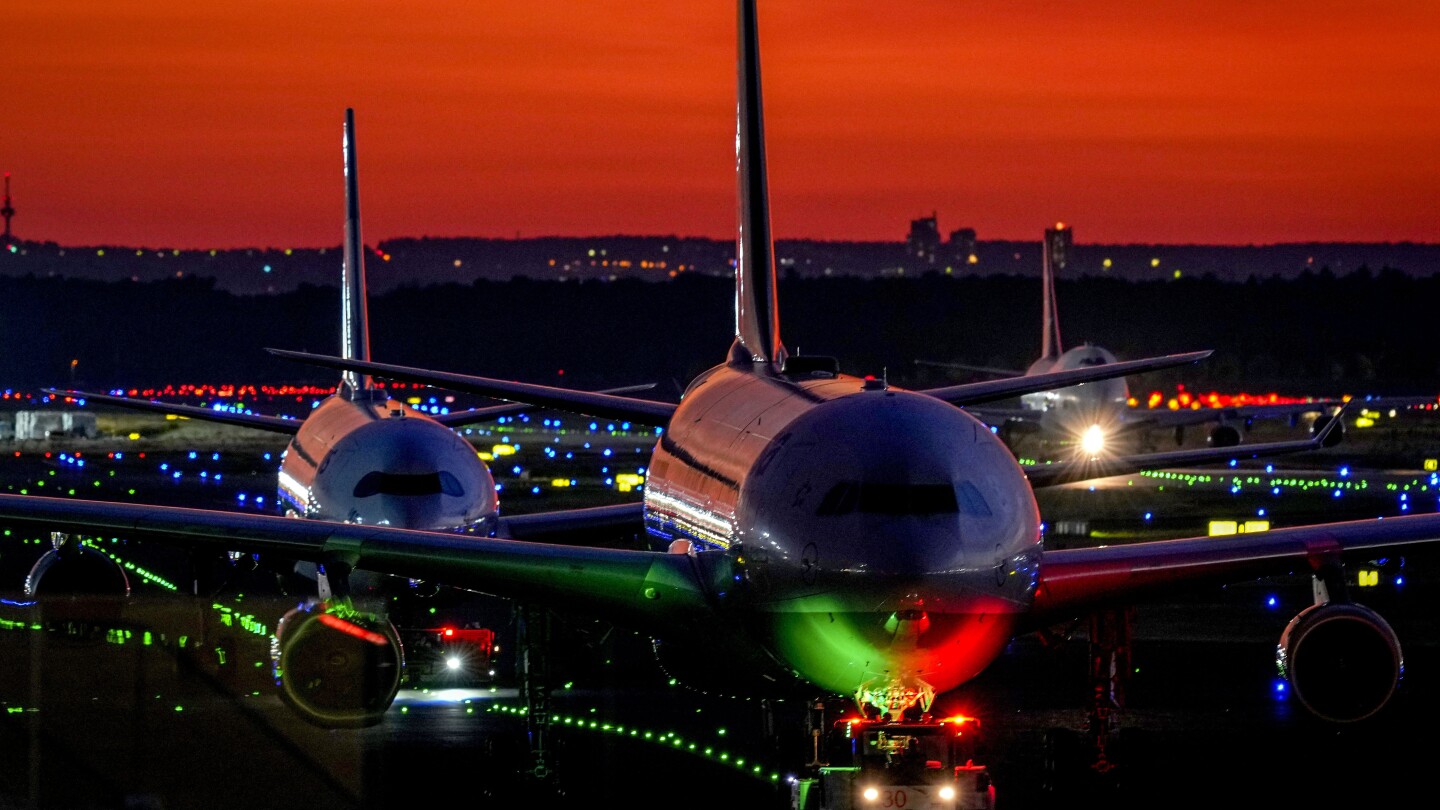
8	211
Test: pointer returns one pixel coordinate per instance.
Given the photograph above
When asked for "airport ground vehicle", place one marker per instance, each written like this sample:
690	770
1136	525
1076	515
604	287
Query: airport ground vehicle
449	655
882	764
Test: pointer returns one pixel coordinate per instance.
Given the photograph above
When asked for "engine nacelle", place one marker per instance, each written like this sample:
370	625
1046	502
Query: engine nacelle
338	667
79	586
1335	435
1342	661
75	569
1224	436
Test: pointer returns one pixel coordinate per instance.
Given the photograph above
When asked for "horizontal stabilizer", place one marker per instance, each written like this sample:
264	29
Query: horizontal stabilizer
274	424
991	390
541	526
591	403
486	414
1065	472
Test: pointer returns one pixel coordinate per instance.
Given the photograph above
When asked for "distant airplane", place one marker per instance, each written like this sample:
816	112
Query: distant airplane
1092	416
358	457
361	456
822	532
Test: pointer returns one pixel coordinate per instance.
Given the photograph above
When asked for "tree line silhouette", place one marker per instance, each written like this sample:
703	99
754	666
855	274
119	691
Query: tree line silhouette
1318	333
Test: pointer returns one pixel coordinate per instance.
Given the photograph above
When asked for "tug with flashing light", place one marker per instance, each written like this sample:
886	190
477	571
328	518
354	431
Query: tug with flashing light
882	763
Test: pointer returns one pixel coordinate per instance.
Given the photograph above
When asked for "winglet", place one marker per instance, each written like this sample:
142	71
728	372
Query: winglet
757	319
354	329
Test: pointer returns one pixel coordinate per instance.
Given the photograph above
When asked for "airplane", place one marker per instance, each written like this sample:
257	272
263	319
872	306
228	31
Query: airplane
1093	415
815	530
360	456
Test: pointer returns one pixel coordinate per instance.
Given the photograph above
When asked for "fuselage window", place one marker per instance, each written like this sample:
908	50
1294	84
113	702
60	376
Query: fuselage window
889	499
383	483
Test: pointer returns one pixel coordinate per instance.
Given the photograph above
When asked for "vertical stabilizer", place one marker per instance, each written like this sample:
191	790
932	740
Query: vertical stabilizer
1057	246
354	328
757	320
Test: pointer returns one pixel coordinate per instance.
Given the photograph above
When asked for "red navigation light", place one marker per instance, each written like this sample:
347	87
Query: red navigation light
448	632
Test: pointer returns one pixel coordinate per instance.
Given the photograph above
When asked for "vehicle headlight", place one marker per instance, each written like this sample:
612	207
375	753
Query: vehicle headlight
453	662
871	794
947	793
1093	440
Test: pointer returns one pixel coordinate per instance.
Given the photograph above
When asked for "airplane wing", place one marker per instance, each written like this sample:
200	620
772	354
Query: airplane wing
274	424
652	591
1064	472
991	390
1072	581
591	403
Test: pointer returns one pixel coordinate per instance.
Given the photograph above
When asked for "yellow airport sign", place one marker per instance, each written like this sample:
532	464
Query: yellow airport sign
1223	528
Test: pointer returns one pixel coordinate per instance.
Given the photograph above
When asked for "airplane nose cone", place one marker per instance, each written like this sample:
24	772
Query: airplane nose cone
889	482
408	472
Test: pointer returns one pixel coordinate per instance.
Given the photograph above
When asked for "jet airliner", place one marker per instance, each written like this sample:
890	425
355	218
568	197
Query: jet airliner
824	530
1091	416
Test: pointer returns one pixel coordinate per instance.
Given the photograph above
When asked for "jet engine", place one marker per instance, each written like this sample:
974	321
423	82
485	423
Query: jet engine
337	666
1224	436
78	586
1342	661
72	568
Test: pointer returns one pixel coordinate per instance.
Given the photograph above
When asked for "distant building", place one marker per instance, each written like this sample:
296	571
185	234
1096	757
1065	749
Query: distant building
45	424
923	243
8	212
962	247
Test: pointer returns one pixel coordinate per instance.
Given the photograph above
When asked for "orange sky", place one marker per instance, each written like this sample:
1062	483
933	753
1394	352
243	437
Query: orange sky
176	123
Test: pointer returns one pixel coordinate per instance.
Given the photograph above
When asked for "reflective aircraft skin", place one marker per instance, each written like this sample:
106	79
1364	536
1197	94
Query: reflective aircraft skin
856	538
886	540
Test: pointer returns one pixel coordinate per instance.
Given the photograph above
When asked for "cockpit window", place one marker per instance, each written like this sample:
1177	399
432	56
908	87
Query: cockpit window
383	483
971	501
889	499
1092	361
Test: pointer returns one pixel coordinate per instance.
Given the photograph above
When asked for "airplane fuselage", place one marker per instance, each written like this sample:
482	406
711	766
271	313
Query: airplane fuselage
881	539
1069	412
377	461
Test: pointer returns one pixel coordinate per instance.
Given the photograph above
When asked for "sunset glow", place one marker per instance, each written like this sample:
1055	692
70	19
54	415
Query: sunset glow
181	124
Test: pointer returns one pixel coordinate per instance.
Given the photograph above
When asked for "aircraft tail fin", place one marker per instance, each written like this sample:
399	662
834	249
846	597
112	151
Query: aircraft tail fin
1055	241
354	326
757	319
